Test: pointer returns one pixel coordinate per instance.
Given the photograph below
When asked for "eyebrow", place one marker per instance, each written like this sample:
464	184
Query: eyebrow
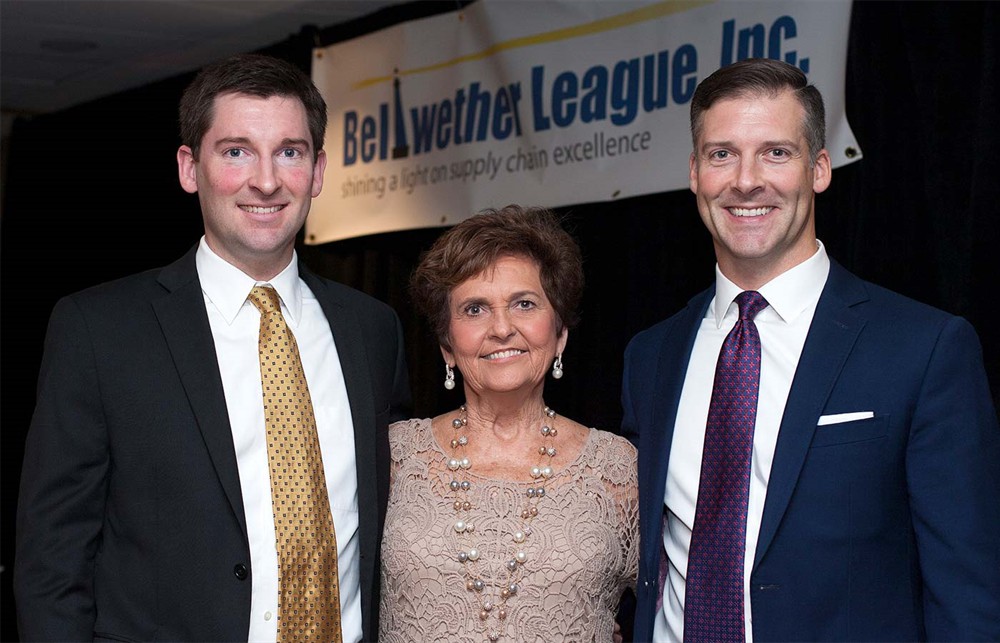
242	140
777	143
470	300
475	299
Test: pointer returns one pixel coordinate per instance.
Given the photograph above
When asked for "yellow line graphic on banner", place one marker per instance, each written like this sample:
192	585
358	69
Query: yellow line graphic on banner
652	12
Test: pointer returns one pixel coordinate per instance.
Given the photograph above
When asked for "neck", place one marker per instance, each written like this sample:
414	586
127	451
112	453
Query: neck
751	273
259	266
507	418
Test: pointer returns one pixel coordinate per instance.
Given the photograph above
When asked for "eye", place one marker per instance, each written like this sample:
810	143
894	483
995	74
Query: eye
233	153
719	155
473	310
524	304
779	153
290	153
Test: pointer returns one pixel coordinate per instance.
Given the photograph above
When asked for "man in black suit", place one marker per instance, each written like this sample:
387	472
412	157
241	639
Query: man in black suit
145	509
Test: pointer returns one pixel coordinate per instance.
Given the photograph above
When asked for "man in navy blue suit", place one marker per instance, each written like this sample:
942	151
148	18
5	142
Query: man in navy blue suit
870	506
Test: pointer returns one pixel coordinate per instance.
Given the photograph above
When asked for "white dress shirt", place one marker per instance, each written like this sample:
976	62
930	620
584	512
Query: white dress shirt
783	326
235	324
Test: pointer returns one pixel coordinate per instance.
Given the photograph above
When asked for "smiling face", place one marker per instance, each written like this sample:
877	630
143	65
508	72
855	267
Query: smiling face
755	186
255	180
504	333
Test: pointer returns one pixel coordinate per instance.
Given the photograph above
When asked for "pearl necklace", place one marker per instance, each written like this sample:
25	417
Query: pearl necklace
495	607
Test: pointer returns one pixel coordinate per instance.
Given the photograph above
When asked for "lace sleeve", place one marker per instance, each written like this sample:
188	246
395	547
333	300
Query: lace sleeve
630	523
621	479
405	438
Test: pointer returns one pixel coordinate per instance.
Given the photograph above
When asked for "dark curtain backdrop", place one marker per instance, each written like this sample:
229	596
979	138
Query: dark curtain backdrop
92	195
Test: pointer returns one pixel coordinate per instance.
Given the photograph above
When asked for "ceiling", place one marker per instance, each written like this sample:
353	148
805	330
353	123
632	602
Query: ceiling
56	54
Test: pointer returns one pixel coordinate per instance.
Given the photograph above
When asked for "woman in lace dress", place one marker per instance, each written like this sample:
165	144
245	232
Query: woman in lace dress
507	521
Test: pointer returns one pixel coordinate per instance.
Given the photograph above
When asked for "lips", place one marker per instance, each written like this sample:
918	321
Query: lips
503	354
259	209
750	212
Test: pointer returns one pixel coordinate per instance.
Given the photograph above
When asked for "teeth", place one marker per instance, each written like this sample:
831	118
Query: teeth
255	209
503	354
750	212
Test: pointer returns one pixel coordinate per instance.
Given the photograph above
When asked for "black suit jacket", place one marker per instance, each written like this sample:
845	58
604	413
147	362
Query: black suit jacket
130	522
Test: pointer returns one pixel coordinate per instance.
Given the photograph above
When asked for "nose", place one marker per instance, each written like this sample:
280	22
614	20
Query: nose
502	327
265	177
748	176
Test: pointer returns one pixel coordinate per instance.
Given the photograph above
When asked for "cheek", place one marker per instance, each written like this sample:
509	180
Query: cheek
226	181
710	184
465	340
793	183
543	333
298	181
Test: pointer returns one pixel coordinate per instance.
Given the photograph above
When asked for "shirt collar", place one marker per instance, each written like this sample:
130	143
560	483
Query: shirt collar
788	294
227	287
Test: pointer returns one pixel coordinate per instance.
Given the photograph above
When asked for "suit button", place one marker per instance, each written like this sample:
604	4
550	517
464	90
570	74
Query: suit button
241	571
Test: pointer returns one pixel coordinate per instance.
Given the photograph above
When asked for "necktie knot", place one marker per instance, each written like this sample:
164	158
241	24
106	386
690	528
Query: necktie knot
750	302
265	298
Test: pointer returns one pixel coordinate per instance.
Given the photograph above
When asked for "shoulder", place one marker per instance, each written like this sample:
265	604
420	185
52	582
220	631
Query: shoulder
876	301
609	440
613	457
891	312
352	310
336	292
410	436
648	339
889	304
138	289
116	297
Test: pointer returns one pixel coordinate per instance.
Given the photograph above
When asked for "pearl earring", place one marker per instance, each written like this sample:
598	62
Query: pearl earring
557	367
449	377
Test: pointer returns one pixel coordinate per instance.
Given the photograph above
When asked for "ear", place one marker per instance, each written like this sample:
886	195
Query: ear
319	167
693	173
822	172
449	358
561	342
187	167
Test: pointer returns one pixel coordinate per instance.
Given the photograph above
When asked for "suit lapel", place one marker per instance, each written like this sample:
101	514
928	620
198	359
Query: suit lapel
350	344
671	370
674	355
185	326
832	335
354	363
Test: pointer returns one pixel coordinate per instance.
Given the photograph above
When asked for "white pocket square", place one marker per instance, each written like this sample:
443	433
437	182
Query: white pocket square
840	418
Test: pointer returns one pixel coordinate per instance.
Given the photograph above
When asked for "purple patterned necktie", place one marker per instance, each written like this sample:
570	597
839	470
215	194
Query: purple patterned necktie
713	595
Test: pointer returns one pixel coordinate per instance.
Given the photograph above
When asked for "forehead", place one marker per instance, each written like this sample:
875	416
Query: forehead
286	114
770	117
508	273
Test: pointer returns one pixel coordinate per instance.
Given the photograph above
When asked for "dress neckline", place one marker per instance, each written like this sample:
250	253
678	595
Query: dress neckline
591	435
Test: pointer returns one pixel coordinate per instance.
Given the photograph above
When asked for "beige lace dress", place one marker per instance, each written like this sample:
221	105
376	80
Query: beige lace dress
581	553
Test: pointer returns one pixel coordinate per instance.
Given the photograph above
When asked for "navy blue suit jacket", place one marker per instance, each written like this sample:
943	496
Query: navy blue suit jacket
130	522
882	529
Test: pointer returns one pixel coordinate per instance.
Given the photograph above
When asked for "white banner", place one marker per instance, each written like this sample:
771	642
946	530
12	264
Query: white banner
543	103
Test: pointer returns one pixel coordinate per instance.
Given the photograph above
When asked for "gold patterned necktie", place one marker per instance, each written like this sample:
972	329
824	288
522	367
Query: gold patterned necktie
308	586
